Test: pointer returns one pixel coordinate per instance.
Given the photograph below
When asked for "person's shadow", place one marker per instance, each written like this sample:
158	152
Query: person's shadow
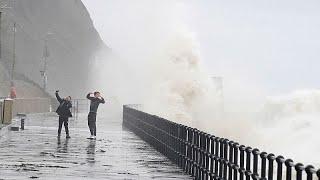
91	150
62	147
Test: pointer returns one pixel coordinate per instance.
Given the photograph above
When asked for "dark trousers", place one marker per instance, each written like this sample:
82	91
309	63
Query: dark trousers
92	123
63	120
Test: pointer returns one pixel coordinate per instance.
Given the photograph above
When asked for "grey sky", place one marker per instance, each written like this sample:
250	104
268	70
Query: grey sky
273	45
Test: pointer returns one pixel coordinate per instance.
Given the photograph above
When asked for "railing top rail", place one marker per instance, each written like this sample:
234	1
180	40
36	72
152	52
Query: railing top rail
80	99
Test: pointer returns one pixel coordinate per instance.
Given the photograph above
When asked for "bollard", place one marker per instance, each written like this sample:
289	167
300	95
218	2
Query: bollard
22	119
7	111
22	123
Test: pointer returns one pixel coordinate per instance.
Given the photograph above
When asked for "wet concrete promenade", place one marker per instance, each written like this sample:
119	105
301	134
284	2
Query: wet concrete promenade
37	153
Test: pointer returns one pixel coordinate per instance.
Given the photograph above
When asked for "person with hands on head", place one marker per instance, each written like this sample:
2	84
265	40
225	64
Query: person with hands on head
95	99
64	113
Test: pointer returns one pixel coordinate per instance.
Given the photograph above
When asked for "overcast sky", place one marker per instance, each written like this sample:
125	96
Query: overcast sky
273	45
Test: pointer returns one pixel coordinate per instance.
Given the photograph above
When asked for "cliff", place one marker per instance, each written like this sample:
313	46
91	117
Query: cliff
72	42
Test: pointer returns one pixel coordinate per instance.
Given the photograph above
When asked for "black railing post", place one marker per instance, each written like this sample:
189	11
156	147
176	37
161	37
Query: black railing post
280	161
193	164
231	161
248	163
206	148
187	144
318	174
184	146
178	145
212	151
255	176
202	154
196	153
299	168
248	174
236	170
271	158
289	164
225	158
173	144
242	169
208	139
242	173
263	156
255	153
221	156
310	171
236	150
216	163
189	150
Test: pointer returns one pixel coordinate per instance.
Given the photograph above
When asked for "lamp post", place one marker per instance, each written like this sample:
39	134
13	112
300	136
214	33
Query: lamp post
218	85
46	55
14	52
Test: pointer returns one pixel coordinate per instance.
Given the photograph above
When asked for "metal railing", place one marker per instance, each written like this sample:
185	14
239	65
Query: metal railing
205	156
79	105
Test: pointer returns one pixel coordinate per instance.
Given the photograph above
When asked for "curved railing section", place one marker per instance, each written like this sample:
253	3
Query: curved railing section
205	156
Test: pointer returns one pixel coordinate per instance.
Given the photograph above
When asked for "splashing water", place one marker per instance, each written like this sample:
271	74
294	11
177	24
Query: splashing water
288	125
181	89
175	85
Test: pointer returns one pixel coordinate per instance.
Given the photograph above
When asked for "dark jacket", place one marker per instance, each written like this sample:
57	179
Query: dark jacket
64	107
95	103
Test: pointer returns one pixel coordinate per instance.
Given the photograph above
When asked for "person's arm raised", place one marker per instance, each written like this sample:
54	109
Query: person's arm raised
58	97
102	100
89	97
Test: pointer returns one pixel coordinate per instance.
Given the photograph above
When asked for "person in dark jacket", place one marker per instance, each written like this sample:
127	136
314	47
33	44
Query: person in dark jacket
95	99
64	113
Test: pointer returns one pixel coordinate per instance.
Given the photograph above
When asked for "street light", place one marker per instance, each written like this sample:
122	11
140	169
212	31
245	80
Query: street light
46	55
14	52
217	81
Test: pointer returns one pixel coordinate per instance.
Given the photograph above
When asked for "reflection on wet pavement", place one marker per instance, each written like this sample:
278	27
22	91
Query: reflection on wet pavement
62	148
91	149
116	154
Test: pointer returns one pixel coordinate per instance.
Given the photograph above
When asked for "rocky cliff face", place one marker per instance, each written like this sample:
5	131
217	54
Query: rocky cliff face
71	43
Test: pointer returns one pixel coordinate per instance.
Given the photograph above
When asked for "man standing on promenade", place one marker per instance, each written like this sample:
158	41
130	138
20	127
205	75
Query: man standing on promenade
95	99
64	113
